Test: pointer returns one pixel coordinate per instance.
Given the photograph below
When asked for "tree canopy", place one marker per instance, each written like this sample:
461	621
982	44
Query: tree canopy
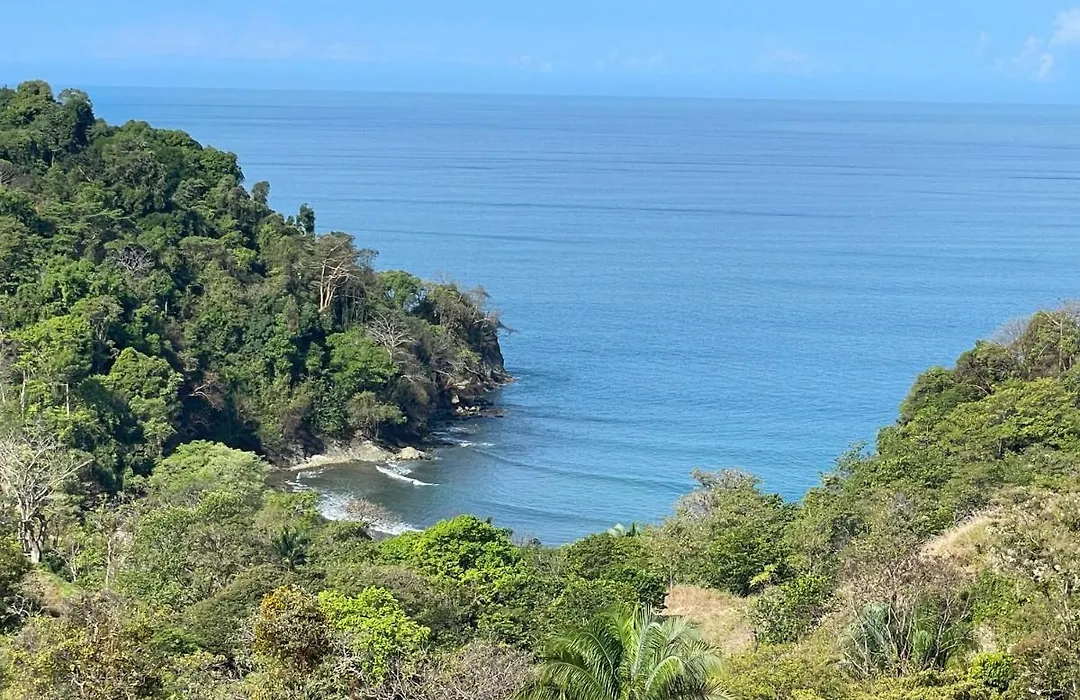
147	298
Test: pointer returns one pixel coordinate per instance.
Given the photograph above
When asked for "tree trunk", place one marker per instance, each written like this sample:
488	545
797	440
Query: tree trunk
32	537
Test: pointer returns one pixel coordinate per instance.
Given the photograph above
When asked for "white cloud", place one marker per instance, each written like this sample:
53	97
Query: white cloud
983	47
1035	61
1066	28
1039	58
1046	67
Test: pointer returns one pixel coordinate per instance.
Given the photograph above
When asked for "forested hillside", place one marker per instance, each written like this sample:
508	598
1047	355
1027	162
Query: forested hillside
147	298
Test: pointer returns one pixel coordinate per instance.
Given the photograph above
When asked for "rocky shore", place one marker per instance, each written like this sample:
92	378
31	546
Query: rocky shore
463	409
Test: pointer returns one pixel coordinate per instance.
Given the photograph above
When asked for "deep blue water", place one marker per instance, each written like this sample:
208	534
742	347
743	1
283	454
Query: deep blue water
692	283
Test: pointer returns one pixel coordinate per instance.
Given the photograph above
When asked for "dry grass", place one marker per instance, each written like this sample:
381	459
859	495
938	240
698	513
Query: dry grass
720	617
964	545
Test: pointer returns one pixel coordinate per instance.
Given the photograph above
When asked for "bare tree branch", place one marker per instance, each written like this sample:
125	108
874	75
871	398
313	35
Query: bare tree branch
34	465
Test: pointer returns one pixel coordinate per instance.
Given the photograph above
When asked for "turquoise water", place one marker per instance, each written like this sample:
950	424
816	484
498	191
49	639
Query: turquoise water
691	283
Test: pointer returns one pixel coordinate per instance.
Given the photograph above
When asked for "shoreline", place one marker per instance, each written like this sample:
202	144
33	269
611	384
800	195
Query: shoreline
374	452
380	456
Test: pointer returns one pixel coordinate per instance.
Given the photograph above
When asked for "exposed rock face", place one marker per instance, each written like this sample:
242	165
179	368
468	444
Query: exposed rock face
411	454
366	451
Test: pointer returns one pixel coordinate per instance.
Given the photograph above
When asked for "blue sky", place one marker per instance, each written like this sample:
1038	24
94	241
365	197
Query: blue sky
982	50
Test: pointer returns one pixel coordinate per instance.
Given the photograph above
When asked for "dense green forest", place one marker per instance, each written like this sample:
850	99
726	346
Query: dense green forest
167	337
148	299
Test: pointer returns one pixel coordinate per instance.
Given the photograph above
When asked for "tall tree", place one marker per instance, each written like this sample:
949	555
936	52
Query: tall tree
628	655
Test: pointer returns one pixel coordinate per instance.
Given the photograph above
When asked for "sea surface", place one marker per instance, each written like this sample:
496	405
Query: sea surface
695	283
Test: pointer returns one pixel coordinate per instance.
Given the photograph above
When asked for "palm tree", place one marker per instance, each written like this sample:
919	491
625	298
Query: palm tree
628	655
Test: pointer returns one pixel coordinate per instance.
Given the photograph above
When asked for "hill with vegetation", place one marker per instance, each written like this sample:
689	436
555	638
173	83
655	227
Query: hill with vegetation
165	333
148	299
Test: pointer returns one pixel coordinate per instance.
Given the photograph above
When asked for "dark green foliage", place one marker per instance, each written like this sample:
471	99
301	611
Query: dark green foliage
216	622
13	566
617	559
161	322
787	612
726	534
146	298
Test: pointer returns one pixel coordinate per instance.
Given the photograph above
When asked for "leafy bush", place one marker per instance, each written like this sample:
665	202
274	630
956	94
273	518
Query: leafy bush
291	627
724	534
605	557
464	550
787	612
373	625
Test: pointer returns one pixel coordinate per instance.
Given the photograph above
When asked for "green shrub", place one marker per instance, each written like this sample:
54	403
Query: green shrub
784	672
373	625
292	628
994	670
787	612
904	636
929	685
618	559
464	550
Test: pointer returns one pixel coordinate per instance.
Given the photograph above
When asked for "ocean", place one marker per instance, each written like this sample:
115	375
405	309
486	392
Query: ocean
689	283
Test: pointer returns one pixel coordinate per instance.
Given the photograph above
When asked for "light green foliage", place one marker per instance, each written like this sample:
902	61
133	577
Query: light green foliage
784	672
13	566
183	554
93	652
357	363
367	415
931	685
150	391
994	670
198	468
402	291
1038	541
54	355
465	550
201	676
628	655
373	625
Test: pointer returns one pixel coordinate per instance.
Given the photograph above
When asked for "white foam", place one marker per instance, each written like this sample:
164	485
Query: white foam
335	507
395	470
467	443
392	528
